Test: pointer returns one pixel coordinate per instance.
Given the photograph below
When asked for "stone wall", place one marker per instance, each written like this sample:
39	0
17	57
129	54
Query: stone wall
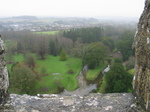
118	102
141	44
4	81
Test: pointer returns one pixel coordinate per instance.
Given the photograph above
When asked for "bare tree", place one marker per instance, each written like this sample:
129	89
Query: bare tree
41	45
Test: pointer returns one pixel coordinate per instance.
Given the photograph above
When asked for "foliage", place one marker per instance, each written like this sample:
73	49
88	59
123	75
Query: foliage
109	42
92	74
13	65
29	61
52	48
78	50
94	54
124	44
43	71
20	47
63	55
130	64
23	80
87	35
118	60
41	47
103	85
118	79
70	71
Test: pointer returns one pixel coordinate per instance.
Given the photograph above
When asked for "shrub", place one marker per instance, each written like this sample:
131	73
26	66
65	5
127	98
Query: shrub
63	55
70	71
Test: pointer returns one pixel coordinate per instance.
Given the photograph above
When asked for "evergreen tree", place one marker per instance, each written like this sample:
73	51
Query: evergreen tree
52	48
109	42
124	44
63	55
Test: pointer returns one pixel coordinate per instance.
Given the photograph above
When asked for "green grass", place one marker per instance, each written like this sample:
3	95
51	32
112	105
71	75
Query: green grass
131	71
102	86
16	58
48	32
93	74
53	65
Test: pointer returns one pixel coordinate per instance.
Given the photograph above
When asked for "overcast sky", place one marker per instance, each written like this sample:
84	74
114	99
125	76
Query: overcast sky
79	8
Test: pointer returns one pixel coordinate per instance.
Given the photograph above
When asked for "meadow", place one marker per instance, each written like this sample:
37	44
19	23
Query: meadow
48	32
92	74
54	73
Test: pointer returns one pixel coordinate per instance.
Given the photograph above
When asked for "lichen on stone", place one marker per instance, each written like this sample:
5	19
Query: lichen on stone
141	81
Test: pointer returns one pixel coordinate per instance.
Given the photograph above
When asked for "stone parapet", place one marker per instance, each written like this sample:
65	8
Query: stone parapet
96	102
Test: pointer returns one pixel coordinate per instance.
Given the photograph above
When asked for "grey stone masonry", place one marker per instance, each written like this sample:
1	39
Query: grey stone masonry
95	102
141	44
4	81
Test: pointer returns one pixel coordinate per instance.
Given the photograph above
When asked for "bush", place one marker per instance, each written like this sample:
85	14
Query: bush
130	64
22	81
118	79
29	61
63	55
70	71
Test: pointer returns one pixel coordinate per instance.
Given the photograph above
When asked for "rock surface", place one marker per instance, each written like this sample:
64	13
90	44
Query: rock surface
57	103
4	82
142	65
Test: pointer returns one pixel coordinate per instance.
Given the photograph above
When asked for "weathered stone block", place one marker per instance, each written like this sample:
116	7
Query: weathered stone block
142	65
4	81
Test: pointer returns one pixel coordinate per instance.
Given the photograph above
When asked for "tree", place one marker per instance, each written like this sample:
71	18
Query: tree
88	35
20	47
10	50
41	47
23	80
124	44
29	61
109	42
52	48
118	79
94	54
63	55
130	64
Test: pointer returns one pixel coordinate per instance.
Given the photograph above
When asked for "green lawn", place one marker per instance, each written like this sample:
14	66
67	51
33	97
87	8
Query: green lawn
131	71
56	72
102	86
48	32
93	74
16	58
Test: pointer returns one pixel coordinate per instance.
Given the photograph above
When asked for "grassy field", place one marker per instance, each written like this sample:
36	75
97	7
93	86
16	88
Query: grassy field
48	32
93	74
102	86
131	71
56	73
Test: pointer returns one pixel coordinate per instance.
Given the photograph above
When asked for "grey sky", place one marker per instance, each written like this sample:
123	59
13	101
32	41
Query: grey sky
90	8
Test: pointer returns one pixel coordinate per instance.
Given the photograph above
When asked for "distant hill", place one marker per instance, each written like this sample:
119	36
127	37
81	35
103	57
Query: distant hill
24	17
